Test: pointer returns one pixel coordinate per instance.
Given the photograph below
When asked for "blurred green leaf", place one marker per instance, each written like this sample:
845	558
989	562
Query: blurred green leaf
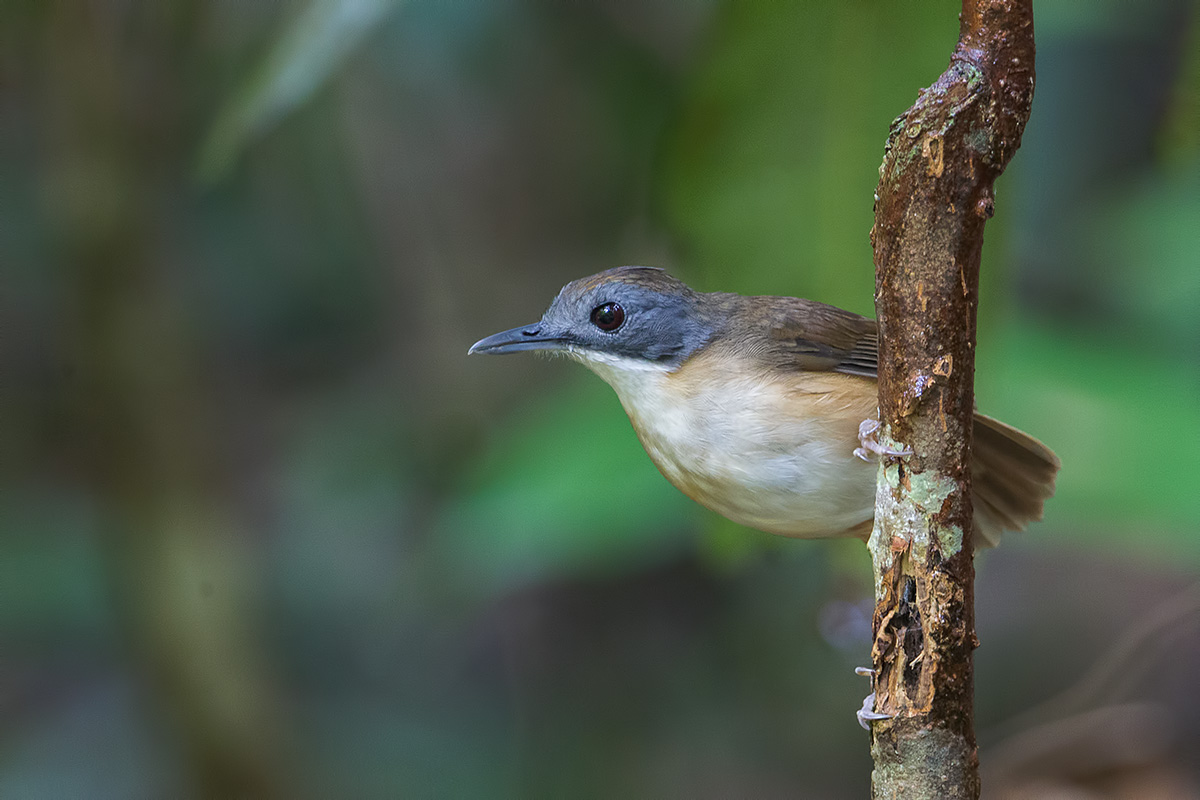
564	487
771	170
1153	224
1121	420
313	45
728	548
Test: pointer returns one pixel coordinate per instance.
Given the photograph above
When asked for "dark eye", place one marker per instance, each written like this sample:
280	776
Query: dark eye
608	317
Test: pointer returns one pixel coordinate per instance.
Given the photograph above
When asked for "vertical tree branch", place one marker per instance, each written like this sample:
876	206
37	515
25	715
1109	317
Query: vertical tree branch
934	196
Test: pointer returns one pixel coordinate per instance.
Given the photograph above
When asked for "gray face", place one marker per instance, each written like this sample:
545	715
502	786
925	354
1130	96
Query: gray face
631	312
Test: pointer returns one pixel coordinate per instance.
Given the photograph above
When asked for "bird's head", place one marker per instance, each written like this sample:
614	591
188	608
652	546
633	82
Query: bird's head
631	317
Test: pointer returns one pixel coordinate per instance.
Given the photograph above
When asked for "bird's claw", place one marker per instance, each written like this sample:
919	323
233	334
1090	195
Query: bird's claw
867	714
868	442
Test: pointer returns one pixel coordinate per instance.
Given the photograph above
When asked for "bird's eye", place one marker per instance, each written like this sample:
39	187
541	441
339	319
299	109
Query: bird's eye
608	317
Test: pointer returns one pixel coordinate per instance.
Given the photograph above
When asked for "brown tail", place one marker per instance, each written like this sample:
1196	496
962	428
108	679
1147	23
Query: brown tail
1013	475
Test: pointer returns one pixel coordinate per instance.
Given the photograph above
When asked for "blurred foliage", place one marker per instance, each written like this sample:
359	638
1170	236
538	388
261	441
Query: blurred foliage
267	531
306	54
548	471
778	142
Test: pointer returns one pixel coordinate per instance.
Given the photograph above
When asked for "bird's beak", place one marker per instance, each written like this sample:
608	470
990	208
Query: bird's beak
527	337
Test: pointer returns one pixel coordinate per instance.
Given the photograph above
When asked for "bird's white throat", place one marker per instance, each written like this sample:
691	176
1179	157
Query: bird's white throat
637	382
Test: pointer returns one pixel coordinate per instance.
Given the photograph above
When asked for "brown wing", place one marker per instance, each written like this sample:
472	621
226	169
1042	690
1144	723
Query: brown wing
813	336
1013	473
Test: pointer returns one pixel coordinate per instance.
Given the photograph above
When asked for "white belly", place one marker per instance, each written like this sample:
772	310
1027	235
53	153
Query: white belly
774	455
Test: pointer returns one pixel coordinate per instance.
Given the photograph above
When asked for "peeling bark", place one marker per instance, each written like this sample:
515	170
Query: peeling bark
935	195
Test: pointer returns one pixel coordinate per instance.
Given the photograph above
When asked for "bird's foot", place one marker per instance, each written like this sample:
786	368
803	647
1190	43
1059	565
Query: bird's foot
867	714
868	442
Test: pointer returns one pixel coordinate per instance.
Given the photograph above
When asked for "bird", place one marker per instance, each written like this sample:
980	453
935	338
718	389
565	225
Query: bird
762	408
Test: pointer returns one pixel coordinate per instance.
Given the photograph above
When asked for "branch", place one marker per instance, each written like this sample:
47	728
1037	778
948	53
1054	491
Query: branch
935	195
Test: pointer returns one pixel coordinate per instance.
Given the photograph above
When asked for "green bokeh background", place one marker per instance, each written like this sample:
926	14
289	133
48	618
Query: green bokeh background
266	531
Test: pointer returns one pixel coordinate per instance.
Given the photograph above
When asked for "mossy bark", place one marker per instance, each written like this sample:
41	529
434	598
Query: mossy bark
935	195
